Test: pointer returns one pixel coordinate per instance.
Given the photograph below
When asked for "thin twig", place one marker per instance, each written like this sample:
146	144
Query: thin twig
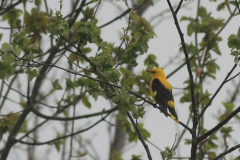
182	65
116	18
217	127
96	10
232	77
10	7
140	135
185	126
228	151
74	117
179	6
174	141
237	6
219	88
63	137
182	134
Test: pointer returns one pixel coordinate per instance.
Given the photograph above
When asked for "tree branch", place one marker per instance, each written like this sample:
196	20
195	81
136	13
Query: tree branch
10	7
75	117
116	18
219	88
63	137
228	151
217	127
194	109
179	6
237	6
140	135
11	138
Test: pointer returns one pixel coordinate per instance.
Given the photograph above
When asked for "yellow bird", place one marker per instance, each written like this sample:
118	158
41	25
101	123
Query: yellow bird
161	91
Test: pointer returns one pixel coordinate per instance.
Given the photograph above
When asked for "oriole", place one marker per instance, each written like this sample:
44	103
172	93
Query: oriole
161	91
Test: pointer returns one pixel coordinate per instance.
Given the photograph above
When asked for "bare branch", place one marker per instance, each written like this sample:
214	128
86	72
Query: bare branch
179	6
63	137
75	117
116	18
232	77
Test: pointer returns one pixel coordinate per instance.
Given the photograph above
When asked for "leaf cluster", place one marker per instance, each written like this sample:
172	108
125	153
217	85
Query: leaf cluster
127	126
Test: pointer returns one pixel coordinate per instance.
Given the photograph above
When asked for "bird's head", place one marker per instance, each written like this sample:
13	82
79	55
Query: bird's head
157	72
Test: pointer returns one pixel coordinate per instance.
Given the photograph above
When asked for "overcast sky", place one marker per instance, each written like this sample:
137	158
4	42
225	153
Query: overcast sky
165	46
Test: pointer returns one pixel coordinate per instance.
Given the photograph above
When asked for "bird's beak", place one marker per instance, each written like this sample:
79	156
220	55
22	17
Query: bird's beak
150	71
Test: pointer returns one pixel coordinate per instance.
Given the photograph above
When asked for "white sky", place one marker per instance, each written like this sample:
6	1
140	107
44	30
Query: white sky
164	46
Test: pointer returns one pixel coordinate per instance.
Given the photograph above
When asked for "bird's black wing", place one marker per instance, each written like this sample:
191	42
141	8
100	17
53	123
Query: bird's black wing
162	95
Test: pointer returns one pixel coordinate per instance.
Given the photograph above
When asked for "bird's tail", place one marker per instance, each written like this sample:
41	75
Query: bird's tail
173	114
171	108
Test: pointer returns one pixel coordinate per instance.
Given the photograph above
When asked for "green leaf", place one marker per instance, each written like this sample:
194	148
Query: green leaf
211	155
32	47
137	36
226	131
185	18
234	53
104	61
143	131
168	153
124	100
202	12
221	6
150	62
164	154
8	122
12	16
139	112
210	145
6	69
6	47
31	73
112	75
233	3
38	2
136	157
236	60
185	98
187	141
134	16
229	106
20	39
212	66
30	56
231	41
56	85
86	50
69	83
58	143
86	102
17	51
95	21
36	22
